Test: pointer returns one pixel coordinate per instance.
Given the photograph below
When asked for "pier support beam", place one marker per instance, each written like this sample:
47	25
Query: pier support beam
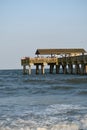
37	69
77	69
24	69
70	66
64	69
57	69
29	71
42	69
51	68
82	68
85	69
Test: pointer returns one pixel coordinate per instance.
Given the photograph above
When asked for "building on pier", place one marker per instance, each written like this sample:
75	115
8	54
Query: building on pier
70	60
64	52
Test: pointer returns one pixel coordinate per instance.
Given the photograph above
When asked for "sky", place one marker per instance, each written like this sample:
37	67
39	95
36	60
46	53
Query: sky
27	25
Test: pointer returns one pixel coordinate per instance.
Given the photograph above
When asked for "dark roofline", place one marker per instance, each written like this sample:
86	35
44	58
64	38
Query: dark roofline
59	51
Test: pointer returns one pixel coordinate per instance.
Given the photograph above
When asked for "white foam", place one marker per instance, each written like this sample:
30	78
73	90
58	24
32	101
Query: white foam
41	129
27	128
55	127
61	108
84	122
46	119
65	127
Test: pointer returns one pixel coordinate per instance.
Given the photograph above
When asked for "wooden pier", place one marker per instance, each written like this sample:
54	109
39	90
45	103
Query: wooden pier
71	61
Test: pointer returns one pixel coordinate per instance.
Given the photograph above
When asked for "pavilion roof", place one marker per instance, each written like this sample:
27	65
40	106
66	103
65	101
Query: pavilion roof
60	51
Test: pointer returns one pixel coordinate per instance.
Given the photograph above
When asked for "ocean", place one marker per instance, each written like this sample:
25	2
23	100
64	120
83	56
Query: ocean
42	102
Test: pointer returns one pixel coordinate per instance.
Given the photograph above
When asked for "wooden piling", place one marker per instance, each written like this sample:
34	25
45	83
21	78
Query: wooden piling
51	68
24	69
29	72
37	69
42	69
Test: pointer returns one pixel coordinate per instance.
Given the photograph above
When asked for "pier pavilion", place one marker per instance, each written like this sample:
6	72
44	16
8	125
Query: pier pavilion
72	61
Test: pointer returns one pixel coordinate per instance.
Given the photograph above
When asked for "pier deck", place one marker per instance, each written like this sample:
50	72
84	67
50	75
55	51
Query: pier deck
76	64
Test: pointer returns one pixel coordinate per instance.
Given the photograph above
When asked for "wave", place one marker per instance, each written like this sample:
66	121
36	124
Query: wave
82	125
82	92
41	89
77	80
56	127
53	117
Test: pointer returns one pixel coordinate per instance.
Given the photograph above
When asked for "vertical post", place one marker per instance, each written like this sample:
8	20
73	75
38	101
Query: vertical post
37	69
70	68
85	69
42	69
51	68
64	68
57	69
77	69
29	72
82	68
24	69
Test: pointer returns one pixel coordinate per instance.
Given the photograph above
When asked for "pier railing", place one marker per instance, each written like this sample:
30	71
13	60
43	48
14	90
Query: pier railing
73	59
38	60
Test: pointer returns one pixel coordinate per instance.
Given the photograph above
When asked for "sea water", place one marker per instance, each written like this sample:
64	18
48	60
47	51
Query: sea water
42	102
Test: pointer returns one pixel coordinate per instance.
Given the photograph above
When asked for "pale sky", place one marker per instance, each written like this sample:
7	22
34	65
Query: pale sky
26	25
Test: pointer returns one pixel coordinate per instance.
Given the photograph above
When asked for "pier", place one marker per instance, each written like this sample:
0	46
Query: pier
70	61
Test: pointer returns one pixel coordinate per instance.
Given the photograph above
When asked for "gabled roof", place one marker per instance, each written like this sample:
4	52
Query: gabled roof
59	51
